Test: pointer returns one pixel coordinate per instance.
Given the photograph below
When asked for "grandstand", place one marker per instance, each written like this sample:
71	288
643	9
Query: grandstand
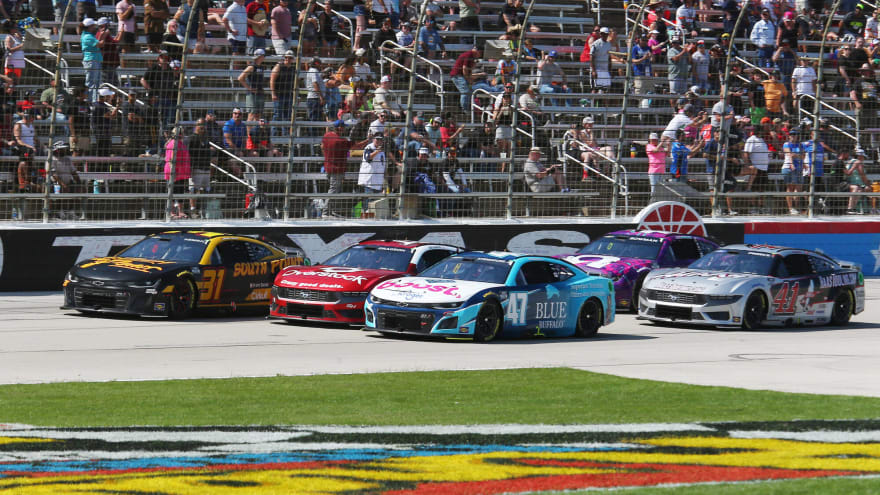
596	125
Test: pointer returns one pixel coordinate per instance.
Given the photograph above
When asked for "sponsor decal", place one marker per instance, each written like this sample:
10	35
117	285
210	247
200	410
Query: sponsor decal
135	264
259	295
837	280
250	269
431	459
325	272
159	307
449	290
554	310
550	324
700	274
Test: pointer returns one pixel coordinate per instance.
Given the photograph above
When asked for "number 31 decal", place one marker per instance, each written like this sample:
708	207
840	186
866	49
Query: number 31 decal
517	304
784	300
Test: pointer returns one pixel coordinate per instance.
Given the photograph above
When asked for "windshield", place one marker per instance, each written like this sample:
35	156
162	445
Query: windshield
373	258
624	247
734	261
473	269
174	248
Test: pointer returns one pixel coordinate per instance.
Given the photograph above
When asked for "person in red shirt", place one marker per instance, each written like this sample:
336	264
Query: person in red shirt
463	75
257	26
336	149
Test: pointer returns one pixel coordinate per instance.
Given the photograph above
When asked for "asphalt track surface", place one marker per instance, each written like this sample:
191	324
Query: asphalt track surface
41	343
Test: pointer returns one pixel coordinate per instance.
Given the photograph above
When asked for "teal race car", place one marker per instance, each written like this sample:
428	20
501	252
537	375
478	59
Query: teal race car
481	296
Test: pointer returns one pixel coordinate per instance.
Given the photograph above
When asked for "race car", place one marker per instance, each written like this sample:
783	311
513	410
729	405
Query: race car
335	290
481	296
627	256
174	273
750	286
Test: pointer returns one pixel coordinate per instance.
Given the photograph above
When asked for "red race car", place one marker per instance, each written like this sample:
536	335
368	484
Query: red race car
335	291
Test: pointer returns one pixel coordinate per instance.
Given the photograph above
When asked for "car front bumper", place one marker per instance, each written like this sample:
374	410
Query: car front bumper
711	314
438	323
351	313
116	299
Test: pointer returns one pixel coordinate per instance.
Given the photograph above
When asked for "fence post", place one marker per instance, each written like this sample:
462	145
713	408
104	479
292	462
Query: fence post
627	83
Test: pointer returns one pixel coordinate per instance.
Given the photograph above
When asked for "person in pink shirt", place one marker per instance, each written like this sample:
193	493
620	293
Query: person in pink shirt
127	28
656	159
182	169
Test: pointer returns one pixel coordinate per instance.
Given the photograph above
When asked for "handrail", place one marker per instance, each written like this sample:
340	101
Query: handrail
412	53
516	109
252	171
623	188
120	90
38	66
753	66
801	110
350	36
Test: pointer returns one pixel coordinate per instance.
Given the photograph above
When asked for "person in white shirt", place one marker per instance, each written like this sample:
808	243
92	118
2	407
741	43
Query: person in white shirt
371	176
679	121
756	162
803	80
235	22
685	18
378	126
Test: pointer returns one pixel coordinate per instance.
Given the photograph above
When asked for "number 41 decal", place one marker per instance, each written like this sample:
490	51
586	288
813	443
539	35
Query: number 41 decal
785	299
516	307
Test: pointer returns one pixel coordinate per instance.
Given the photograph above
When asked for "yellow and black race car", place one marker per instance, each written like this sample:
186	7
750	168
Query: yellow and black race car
174	273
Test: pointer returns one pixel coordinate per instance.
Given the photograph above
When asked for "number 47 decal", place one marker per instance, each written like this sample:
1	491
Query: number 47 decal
784	300
517	304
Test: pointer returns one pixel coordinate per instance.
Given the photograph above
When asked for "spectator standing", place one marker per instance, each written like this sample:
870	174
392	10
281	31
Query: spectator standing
541	179
24	134
234	137
700	60
92	56
804	80
315	91
756	163
788	31
792	168
371	176
814	164
679	65
161	81
125	14
135	139
680	120
177	153
109	51
763	36
14	61
775	95
308	19
199	8
657	153
600	63
864	97
253	79
281	86
785	59
281	19
79	116
858	181
172	41
336	149
360	15
235	20
104	115
686	19
406	39
155	14
641	56
213	130
462	74
329	25
257	26
680	152
199	148
551	78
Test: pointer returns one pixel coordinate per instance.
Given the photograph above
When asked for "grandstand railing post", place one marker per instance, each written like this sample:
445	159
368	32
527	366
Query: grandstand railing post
297	64
47	200
627	82
514	99
817	107
177	130
724	128
407	128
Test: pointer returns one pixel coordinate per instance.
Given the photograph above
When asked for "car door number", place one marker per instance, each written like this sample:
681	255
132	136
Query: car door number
211	283
784	301
517	304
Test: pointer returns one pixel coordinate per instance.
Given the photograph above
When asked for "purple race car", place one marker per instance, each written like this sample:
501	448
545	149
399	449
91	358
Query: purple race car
626	256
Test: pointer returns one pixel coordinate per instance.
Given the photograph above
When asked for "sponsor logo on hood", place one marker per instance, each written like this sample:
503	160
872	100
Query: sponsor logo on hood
136	264
338	272
449	289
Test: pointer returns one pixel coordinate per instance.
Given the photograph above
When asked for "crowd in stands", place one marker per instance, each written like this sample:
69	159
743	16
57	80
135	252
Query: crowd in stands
351	106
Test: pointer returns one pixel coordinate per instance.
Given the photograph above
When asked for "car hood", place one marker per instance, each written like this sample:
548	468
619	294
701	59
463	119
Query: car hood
607	265
428	290
114	268
698	281
332	277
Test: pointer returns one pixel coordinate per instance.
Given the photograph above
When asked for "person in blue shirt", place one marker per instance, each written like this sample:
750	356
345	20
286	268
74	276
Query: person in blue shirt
430	41
92	58
641	57
234	137
792	168
680	152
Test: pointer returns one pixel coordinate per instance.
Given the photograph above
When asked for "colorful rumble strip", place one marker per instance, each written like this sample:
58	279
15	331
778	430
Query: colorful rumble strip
429	459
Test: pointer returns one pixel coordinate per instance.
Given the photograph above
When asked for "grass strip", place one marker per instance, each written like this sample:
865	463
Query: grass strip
527	396
869	485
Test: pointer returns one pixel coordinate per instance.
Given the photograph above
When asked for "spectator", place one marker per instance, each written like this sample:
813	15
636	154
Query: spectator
332	98
281	86
378	126
104	115
792	168
196	41
468	12
430	41
92	56
135	139
171	41
161	81
503	119
722	114
406	39
864	97
680	152
259	141
641	58
234	136
785	59
177	153
463	74
788	31
551	77
600	63
814	161
362	68
200	162
529	53
858	181
48	99
383	99
85	9
528	102
449	132
65	175
24	135
213	129
235	20
336	149
109	50
851	58
763	36
804	81
257	26
756	163
684	117
315	91
541	179
282	21
853	24
253	79
308	19
155	14
371	177
80	119
14	60
700	60
385	33
418	137
360	15
679	65
872	26
330	24
657	153
686	19
775	95
511	15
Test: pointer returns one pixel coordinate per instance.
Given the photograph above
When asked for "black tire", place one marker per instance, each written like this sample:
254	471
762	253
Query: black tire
182	301
487	324
589	318
843	308
754	312
634	302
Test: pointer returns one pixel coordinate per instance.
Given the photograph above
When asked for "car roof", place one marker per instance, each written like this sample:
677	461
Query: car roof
505	256
768	249
195	234
660	234
397	243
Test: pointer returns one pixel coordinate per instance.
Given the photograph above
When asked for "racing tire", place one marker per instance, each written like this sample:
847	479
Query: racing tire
634	302
589	318
843	308
182	301
487	324
754	312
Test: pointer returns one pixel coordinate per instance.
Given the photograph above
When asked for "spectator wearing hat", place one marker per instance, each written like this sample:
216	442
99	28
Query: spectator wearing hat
657	152
600	64
383	99
528	102
775	95
551	78
104	115
430	41
657	46
853	23
235	20
541	179
371	176
686	19
786	59
315	91
685	116
680	153
864	97
506	71
161	81
281	86
700	61
463	75
763	36
92	56
406	39
155	14
679	65
857	179
253	79
336	148
804	81
385	33
282	29
109	50
792	168
200	151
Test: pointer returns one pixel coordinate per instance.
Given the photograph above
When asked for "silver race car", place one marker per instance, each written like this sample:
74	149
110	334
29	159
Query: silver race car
749	286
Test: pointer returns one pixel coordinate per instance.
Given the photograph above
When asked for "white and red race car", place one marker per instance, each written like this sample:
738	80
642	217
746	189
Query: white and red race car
335	291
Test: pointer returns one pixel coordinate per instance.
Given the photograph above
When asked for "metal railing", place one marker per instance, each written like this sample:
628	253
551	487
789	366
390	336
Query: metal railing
435	69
